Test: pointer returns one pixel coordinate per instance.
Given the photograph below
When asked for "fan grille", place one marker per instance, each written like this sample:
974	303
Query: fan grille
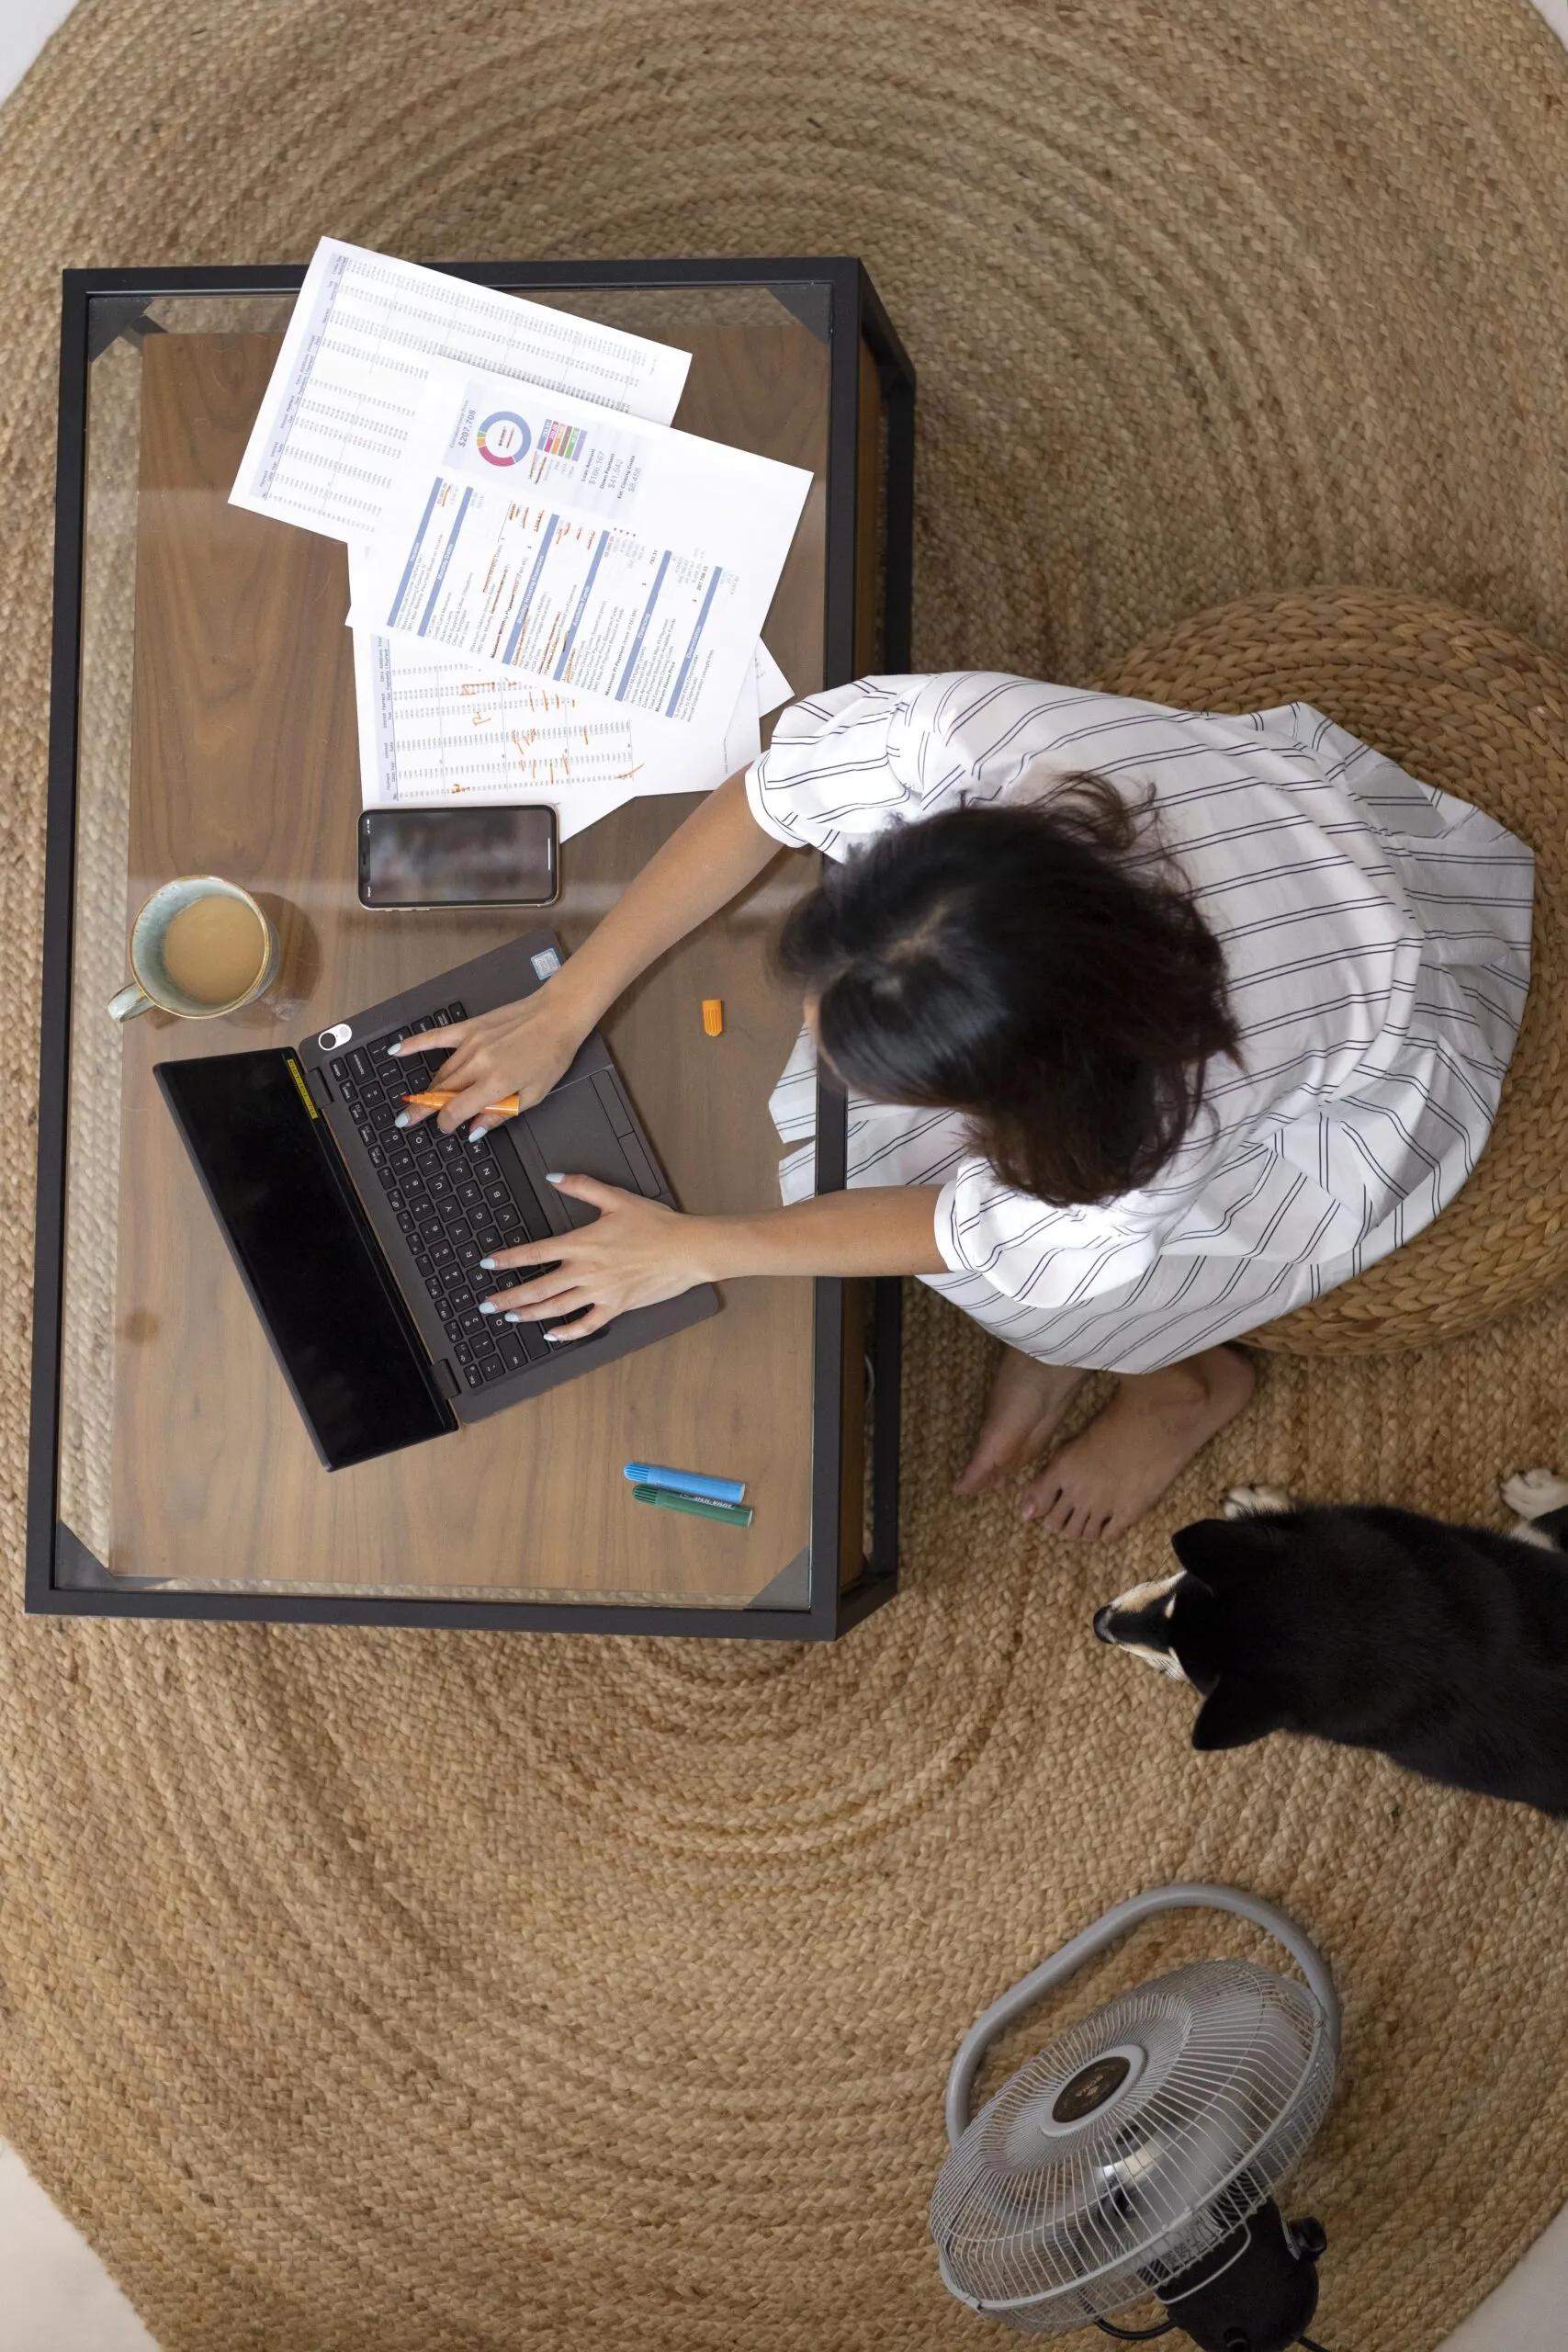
1132	2144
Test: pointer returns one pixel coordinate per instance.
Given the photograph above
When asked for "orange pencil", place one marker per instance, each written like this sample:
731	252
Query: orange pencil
437	1100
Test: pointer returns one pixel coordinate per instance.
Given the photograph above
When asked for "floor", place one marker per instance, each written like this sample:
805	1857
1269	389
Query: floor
56	2295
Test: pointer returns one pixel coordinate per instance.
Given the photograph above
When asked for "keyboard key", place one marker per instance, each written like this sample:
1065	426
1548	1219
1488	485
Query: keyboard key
435	1286
508	1218
378	1156
387	1182
441	1253
457	1226
449	1207
456	1013
436	1186
470	1194
498	1193
394	1195
405	1222
359	1064
422	1025
514	1354
463	1352
432	1227
383	1114
401	1160
453	1330
349	1091
474	1376
359	1113
492	1368
423	1262
487	1236
469	1252
441	1018
451	1147
472	1322
340	1067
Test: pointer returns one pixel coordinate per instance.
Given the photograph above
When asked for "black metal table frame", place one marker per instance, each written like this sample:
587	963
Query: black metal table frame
63	1578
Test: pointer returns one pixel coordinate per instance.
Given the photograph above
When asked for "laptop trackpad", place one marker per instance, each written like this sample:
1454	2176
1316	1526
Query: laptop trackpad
573	1131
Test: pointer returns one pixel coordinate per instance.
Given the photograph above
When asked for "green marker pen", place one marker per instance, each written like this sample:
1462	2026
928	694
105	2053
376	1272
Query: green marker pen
733	1514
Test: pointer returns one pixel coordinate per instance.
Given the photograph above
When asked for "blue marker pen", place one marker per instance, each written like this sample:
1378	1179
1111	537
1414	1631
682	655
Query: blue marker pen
686	1482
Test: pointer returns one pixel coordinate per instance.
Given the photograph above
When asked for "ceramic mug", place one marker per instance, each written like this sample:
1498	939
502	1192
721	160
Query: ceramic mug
151	983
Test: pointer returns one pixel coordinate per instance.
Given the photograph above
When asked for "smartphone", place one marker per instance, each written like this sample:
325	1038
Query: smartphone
457	857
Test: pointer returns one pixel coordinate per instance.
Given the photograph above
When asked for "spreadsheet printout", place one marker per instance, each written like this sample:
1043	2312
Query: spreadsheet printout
431	729
333	429
550	538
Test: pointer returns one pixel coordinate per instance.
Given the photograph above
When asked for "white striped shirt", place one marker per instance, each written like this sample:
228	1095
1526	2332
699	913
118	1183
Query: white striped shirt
1376	940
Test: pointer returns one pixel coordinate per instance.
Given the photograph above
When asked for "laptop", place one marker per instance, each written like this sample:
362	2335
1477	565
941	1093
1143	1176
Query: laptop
359	1242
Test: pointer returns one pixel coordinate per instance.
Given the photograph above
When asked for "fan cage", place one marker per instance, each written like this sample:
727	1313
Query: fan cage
1236	2076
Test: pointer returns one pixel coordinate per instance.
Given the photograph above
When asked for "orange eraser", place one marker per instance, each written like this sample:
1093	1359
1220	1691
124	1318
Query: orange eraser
712	1015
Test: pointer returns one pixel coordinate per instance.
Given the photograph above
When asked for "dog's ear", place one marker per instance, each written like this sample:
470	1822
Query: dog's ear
1234	1714
1219	1550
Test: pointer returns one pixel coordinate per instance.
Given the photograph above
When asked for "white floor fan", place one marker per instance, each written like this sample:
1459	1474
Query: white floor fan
1139	2152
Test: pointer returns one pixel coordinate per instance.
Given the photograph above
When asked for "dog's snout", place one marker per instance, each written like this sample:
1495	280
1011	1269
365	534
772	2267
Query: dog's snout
1103	1623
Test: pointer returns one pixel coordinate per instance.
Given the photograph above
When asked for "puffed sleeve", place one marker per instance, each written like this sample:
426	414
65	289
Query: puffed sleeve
838	768
845	763
1043	1257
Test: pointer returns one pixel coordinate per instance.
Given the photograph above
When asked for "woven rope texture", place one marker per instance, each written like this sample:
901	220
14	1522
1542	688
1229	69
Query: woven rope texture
394	1992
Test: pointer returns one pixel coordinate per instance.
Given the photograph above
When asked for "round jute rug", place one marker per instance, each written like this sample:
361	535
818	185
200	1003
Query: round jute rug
432	1993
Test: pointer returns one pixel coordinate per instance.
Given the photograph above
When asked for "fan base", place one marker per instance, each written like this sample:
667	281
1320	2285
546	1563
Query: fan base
1258	2290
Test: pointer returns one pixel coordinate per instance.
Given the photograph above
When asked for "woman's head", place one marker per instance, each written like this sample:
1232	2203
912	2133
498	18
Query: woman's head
1022	965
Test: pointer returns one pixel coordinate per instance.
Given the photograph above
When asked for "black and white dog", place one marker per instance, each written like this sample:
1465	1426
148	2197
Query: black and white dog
1444	1648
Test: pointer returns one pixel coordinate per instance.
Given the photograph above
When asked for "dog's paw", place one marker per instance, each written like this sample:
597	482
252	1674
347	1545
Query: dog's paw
1251	1502
1531	1493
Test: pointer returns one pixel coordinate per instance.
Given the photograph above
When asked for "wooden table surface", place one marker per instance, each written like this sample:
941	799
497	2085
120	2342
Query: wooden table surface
245	764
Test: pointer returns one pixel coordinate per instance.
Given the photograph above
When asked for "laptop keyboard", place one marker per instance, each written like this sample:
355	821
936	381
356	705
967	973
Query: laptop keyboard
453	1202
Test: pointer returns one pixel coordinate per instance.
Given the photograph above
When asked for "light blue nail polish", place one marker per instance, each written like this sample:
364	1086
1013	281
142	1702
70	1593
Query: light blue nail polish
489	1306
394	1051
557	1335
401	1120
554	1176
509	1317
487	1265
476	1135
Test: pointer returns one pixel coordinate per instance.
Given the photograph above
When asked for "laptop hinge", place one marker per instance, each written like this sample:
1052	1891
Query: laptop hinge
319	1085
445	1377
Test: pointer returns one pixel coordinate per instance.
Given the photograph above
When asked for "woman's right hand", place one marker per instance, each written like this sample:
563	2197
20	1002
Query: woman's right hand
522	1049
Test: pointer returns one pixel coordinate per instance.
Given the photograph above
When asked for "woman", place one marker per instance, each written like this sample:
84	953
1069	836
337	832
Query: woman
1155	1023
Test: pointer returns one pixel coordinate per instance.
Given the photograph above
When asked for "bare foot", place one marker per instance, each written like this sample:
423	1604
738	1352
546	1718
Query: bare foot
1129	1454
1027	1400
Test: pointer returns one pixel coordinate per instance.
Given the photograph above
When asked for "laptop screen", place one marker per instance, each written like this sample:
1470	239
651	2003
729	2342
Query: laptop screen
306	1256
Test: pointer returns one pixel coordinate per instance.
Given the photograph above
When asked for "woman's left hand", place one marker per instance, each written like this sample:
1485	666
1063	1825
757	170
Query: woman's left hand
635	1253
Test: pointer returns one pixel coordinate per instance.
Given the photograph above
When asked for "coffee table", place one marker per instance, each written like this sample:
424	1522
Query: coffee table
203	720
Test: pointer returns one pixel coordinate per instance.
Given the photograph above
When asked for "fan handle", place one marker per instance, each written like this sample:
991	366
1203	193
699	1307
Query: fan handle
1072	1956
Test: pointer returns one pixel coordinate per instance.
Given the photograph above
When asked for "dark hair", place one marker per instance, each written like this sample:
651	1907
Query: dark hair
1040	969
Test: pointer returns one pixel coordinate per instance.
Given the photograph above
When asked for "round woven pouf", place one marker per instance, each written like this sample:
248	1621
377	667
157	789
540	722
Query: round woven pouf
1485	715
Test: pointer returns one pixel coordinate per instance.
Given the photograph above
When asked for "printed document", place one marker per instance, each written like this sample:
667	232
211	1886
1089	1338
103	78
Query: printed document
333	428
553	539
431	729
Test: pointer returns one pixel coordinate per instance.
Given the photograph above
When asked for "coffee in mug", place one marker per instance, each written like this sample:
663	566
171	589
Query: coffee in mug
213	949
201	946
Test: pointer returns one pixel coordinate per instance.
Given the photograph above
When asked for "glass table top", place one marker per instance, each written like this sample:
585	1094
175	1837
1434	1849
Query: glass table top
218	735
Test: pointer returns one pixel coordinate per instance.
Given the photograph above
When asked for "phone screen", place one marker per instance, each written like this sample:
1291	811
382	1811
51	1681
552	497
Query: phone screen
457	857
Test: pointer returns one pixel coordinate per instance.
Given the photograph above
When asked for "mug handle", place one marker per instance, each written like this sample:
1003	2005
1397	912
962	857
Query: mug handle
128	1003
